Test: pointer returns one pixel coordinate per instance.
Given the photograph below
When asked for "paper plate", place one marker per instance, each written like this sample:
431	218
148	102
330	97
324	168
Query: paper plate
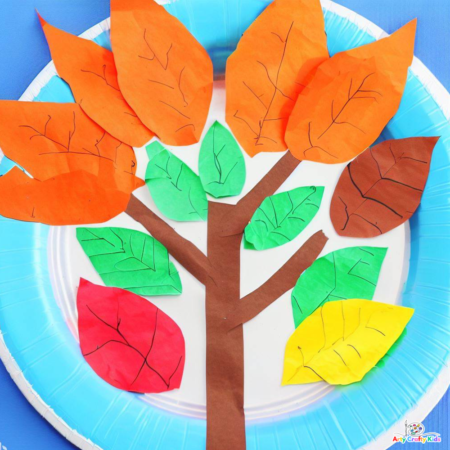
40	268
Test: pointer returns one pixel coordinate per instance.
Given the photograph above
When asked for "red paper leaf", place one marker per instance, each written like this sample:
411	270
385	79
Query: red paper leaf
128	341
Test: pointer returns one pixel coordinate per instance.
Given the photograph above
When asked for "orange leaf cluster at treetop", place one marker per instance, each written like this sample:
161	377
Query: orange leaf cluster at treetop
50	140
90	71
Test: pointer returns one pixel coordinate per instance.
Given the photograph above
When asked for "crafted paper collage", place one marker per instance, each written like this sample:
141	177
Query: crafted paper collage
283	94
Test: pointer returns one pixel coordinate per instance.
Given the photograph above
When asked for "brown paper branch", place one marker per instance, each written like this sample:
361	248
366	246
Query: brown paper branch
184	251
283	280
239	217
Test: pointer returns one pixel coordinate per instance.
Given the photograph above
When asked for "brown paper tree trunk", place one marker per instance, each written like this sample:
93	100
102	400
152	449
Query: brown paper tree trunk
226	311
224	349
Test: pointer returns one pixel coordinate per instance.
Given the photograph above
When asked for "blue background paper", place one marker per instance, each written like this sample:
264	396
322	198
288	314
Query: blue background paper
23	53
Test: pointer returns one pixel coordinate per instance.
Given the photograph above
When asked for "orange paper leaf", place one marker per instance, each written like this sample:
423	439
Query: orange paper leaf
70	199
351	98
274	60
49	139
164	73
91	73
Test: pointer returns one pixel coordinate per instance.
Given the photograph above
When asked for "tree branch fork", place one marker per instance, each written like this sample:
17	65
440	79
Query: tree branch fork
234	223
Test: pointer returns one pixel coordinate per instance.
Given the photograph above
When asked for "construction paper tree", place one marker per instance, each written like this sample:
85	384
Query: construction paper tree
283	91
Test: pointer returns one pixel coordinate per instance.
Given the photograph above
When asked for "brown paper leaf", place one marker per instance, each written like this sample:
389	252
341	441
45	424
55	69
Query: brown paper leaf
164	73
350	100
272	63
382	187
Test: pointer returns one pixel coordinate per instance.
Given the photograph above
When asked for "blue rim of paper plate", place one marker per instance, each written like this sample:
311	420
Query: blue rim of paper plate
39	340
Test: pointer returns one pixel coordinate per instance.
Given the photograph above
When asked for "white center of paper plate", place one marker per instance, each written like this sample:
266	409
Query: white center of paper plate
267	334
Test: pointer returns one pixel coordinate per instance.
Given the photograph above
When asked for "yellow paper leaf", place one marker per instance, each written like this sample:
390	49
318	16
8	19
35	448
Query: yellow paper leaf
342	341
350	100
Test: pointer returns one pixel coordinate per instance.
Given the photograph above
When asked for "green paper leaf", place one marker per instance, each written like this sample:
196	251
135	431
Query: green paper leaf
349	273
153	149
221	164
131	260
282	217
176	190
